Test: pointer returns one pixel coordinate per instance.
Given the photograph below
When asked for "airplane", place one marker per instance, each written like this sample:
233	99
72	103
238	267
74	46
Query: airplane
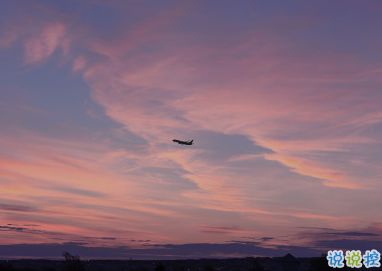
183	142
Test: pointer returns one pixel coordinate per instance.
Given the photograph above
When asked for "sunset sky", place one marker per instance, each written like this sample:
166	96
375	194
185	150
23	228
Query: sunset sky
282	98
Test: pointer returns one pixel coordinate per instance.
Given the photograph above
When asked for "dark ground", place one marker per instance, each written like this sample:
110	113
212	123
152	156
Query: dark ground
287	263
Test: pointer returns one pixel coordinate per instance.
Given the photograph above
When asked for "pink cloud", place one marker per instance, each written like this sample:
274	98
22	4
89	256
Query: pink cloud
155	99
59	176
52	37
79	64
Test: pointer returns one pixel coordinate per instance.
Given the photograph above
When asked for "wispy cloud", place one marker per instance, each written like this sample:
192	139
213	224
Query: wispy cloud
17	208
51	38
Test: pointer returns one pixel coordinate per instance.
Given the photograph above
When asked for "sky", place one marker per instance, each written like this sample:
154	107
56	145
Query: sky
282	98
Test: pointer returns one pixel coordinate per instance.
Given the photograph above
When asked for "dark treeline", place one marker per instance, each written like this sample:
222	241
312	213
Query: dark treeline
74	263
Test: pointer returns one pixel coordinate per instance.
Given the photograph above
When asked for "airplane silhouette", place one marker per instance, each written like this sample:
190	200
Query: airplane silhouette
183	142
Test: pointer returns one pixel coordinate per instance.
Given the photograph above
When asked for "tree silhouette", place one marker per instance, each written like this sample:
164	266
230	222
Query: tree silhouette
160	267
256	266
72	263
319	264
6	267
209	268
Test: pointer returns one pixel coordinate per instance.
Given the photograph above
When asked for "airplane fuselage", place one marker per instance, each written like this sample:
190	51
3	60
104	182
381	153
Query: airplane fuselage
181	142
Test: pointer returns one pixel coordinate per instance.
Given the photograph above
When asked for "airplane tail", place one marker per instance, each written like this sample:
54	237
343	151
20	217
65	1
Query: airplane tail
192	141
